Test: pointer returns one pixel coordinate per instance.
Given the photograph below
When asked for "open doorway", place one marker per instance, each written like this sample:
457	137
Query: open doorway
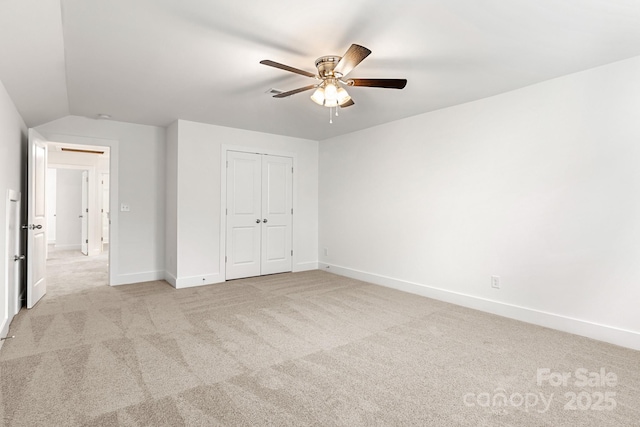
77	210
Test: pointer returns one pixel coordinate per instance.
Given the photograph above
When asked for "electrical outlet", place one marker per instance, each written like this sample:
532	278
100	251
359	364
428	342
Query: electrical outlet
326	252
124	207
495	282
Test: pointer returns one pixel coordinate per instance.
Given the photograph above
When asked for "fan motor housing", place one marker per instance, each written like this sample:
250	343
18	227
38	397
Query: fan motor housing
326	64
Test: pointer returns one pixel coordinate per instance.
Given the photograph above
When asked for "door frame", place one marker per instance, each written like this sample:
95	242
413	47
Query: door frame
112	144
12	290
91	174
84	210
223	198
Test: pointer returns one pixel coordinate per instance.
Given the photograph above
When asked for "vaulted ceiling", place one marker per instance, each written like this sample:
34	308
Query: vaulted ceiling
155	61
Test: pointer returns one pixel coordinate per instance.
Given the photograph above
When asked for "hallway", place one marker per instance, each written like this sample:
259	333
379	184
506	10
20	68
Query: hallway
71	272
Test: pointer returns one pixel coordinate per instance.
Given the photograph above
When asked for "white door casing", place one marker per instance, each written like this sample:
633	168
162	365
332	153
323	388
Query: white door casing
16	257
104	209
259	214
84	214
36	226
9	297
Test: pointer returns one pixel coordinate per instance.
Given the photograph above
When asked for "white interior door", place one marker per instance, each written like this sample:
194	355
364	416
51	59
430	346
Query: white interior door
244	214
259	214
84	214
277	187
36	219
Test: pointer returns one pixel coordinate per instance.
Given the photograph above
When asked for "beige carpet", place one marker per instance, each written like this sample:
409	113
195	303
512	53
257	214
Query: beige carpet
296	349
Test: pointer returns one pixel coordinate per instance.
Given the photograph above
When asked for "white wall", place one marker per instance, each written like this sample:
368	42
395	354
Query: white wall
140	184
540	186
13	136
69	209
198	194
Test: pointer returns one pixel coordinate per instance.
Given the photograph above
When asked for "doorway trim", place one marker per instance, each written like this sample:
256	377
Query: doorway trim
91	170
11	295
113	190
223	198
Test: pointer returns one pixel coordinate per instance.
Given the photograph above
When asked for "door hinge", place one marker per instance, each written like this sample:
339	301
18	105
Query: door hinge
291	211
86	210
226	211
101	239
227	163
225	259
291	252
291	169
86	241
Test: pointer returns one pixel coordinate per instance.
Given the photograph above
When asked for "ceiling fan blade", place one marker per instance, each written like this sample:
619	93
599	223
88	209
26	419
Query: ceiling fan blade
293	92
349	103
385	83
352	57
287	68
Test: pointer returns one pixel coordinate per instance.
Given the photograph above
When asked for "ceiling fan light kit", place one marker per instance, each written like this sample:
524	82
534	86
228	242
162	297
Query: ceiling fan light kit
331	73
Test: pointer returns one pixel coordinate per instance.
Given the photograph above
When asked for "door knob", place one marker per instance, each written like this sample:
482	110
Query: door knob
257	221
31	227
18	257
264	220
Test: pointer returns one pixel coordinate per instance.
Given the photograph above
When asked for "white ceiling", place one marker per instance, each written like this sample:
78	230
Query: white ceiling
154	61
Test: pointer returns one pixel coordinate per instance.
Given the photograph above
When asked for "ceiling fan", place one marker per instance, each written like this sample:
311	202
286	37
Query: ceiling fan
332	72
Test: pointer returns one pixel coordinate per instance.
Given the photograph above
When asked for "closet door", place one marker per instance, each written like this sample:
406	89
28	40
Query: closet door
277	183
259	214
244	214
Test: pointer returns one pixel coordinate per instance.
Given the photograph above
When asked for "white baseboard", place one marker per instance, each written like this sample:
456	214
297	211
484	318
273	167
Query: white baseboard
305	266
4	330
147	276
193	281
170	278
613	335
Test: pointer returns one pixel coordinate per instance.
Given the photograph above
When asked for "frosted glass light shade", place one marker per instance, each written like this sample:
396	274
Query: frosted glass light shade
330	94
343	96
318	96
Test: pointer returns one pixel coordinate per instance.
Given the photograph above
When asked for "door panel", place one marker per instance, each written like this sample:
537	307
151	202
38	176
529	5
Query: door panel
36	217
243	214
245	240
276	247
277	183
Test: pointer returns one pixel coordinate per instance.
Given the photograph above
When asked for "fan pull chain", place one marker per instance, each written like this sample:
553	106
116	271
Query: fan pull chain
330	116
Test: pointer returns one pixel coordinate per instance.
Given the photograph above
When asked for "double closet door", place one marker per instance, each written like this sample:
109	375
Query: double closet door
259	214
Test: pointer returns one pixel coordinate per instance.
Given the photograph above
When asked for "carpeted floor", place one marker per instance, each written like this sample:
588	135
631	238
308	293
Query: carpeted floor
297	349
